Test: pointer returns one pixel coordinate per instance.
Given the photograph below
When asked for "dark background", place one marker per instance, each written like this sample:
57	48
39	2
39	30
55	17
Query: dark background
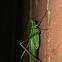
12	15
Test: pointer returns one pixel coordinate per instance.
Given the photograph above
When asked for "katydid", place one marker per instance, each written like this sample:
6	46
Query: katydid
33	40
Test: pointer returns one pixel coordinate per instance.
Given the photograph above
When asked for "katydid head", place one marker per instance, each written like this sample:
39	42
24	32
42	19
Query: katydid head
36	22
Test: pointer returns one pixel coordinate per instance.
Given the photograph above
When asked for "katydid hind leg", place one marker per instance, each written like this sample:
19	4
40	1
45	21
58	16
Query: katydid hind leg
28	52
27	46
28	43
24	52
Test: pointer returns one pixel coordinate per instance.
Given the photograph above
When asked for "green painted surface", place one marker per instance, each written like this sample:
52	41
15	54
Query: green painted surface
49	59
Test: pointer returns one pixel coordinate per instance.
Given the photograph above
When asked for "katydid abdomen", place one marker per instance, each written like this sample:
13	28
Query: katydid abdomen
34	41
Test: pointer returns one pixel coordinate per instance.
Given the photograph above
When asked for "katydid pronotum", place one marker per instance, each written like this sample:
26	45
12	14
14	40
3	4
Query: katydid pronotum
33	40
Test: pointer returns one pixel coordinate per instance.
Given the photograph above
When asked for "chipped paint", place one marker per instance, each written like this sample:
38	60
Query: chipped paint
49	16
49	32
36	3
49	40
48	45
48	11
47	4
49	59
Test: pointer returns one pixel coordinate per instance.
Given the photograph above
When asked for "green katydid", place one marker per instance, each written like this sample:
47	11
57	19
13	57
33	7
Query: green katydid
33	40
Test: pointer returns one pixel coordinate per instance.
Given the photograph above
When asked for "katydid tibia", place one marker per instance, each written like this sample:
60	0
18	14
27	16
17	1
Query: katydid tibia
33	40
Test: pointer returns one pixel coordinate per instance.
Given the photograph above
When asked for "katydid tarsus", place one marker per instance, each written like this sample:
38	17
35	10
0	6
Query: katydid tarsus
33	40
